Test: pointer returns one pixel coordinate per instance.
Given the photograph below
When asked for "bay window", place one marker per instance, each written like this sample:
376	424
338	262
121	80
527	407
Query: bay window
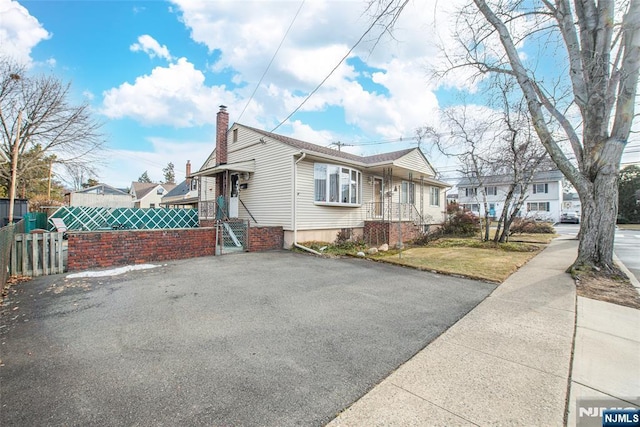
336	184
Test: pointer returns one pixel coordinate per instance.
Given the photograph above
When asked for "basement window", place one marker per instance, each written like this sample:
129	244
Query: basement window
336	185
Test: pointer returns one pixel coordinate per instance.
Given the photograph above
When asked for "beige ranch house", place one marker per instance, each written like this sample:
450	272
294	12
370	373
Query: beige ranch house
314	192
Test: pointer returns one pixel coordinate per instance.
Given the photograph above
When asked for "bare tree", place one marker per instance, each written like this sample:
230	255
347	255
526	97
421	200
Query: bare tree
37	116
76	174
470	138
591	99
522	155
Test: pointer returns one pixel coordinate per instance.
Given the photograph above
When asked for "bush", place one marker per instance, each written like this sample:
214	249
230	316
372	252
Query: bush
429	236
530	226
460	222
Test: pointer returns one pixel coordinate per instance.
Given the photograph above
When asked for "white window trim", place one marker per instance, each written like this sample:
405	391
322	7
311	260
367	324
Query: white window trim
431	197
327	189
408	189
545	191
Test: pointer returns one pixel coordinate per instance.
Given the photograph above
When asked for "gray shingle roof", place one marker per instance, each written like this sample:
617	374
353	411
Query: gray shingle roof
307	146
102	189
143	188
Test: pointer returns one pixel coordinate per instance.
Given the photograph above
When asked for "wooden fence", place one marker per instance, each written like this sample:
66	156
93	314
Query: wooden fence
37	254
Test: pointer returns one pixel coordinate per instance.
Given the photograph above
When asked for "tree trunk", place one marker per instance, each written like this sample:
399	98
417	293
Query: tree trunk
599	211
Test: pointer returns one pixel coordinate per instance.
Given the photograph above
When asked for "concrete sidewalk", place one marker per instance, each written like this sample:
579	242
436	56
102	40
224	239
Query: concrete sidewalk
606	363
508	361
505	363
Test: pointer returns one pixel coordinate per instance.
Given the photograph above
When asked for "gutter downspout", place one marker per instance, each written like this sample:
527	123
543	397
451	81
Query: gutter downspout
295	208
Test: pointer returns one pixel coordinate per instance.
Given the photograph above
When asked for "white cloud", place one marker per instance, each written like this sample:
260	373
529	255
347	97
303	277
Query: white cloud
324	31
391	104
151	47
19	32
175	95
88	95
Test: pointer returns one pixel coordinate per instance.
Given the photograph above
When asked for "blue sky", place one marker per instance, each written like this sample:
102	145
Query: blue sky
155	72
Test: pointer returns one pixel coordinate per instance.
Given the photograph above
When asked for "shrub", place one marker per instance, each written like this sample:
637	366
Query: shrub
530	226
460	222
345	241
428	236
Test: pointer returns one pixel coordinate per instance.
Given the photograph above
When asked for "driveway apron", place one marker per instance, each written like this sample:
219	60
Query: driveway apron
270	339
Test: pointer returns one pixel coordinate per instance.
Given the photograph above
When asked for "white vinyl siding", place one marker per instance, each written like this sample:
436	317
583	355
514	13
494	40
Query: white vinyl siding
540	188
269	192
414	161
312	215
470	192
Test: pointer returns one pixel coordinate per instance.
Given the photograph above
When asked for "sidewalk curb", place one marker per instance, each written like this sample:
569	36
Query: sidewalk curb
632	278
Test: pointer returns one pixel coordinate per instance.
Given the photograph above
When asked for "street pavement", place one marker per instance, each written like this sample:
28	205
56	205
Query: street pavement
268	339
627	248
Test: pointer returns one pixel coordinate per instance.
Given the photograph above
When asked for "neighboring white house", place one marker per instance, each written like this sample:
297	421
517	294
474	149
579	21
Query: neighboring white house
314	192
148	195
543	196
101	195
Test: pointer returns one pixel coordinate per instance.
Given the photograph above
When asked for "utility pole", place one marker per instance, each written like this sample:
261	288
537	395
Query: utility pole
340	145
14	170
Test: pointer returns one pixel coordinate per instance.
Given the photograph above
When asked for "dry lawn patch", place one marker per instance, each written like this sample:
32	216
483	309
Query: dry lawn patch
481	261
609	289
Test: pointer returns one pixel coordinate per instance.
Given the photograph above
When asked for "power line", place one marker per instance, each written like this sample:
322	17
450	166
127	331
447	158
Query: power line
334	68
272	59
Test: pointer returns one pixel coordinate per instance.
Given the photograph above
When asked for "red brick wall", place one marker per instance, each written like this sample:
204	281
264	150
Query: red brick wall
222	127
100	249
376	233
265	238
207	223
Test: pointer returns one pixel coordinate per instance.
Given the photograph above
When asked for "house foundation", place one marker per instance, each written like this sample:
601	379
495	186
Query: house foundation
376	233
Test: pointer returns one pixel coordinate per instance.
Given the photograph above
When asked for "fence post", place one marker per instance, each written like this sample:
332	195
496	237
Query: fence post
59	252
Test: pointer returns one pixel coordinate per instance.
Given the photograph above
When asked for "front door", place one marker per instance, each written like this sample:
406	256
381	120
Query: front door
377	197
234	196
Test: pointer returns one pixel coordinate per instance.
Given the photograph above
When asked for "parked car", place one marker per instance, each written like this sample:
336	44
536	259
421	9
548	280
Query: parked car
570	217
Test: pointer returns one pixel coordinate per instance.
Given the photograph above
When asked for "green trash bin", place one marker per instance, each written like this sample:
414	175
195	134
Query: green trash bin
34	220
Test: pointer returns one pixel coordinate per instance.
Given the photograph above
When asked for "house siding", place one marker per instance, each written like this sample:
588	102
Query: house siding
414	161
269	192
100	200
268	197
314	216
553	196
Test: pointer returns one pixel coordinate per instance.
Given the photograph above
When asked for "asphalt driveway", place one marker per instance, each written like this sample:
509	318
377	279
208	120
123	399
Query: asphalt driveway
271	339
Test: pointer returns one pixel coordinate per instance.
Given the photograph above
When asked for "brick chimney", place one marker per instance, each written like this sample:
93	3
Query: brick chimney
188	173
222	126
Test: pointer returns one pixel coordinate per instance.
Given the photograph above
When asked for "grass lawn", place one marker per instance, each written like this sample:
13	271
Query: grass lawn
470	257
629	226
